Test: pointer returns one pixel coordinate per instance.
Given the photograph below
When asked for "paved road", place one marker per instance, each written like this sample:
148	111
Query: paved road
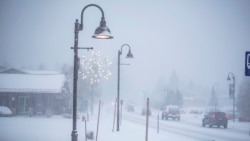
192	130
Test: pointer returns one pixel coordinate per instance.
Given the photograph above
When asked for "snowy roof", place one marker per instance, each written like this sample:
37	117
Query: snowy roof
35	83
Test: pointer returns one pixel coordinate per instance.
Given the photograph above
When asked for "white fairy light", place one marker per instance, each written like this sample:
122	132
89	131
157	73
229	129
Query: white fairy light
94	67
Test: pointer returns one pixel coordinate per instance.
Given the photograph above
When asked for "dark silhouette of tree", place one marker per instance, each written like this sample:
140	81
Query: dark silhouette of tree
158	94
173	98
174	81
167	95
169	100
179	98
213	102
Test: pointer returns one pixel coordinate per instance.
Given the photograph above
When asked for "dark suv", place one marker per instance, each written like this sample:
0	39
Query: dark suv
172	112
215	118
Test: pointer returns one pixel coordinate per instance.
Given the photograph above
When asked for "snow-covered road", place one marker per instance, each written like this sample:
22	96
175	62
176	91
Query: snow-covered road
132	128
191	128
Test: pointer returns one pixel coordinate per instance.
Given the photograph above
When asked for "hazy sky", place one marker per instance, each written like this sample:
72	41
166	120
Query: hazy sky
202	40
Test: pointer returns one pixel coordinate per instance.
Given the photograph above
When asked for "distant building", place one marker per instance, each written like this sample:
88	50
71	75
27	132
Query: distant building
33	92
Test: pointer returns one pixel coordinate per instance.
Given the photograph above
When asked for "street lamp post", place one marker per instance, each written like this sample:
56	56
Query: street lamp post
232	91
129	55
101	32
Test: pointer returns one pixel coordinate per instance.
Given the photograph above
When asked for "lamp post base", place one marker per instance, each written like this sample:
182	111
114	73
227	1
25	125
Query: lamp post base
74	135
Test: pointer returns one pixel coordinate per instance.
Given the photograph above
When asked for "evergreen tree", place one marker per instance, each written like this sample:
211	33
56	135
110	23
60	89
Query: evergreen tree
243	99
159	93
174	81
174	98
179	98
170	97
213	100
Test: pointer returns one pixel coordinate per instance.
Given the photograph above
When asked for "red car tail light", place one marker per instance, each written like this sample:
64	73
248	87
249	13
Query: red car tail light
226	115
213	116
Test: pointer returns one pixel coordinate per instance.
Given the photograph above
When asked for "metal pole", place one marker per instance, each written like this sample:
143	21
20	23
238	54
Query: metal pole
79	27
74	131
129	55
85	130
97	129
92	99
118	93
158	117
121	113
232	91
233	98
233	108
114	115
147	114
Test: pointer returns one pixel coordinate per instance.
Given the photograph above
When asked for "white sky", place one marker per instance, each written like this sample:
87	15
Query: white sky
201	40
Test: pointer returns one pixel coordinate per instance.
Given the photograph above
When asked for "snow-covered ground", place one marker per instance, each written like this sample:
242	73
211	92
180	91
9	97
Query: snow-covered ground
58	128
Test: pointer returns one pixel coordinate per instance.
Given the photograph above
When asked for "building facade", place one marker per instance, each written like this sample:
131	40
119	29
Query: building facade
33	92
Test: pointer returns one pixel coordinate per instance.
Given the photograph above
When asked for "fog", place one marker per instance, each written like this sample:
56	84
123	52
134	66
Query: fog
200	41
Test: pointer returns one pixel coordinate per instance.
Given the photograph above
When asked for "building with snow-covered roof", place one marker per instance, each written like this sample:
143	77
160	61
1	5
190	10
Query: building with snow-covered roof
33	92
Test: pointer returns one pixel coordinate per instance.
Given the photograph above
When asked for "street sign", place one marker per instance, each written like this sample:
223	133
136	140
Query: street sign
247	64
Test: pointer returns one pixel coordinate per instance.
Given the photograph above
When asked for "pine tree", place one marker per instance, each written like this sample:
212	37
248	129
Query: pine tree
174	98
213	100
243	99
179	98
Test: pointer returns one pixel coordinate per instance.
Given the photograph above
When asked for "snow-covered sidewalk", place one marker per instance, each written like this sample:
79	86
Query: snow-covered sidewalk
59	128
23	128
130	131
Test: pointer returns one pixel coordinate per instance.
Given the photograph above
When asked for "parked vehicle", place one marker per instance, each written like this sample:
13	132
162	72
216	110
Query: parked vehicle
5	111
215	119
172	112
130	108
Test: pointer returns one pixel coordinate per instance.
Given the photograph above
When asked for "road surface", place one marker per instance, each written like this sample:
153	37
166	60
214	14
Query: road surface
190	129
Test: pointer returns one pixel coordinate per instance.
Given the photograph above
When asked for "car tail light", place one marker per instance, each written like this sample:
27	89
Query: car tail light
213	116
226	115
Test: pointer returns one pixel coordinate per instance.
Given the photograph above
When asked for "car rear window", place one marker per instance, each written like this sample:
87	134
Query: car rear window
217	114
173	109
220	114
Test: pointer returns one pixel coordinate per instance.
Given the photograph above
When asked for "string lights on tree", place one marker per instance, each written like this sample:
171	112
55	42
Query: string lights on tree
95	67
